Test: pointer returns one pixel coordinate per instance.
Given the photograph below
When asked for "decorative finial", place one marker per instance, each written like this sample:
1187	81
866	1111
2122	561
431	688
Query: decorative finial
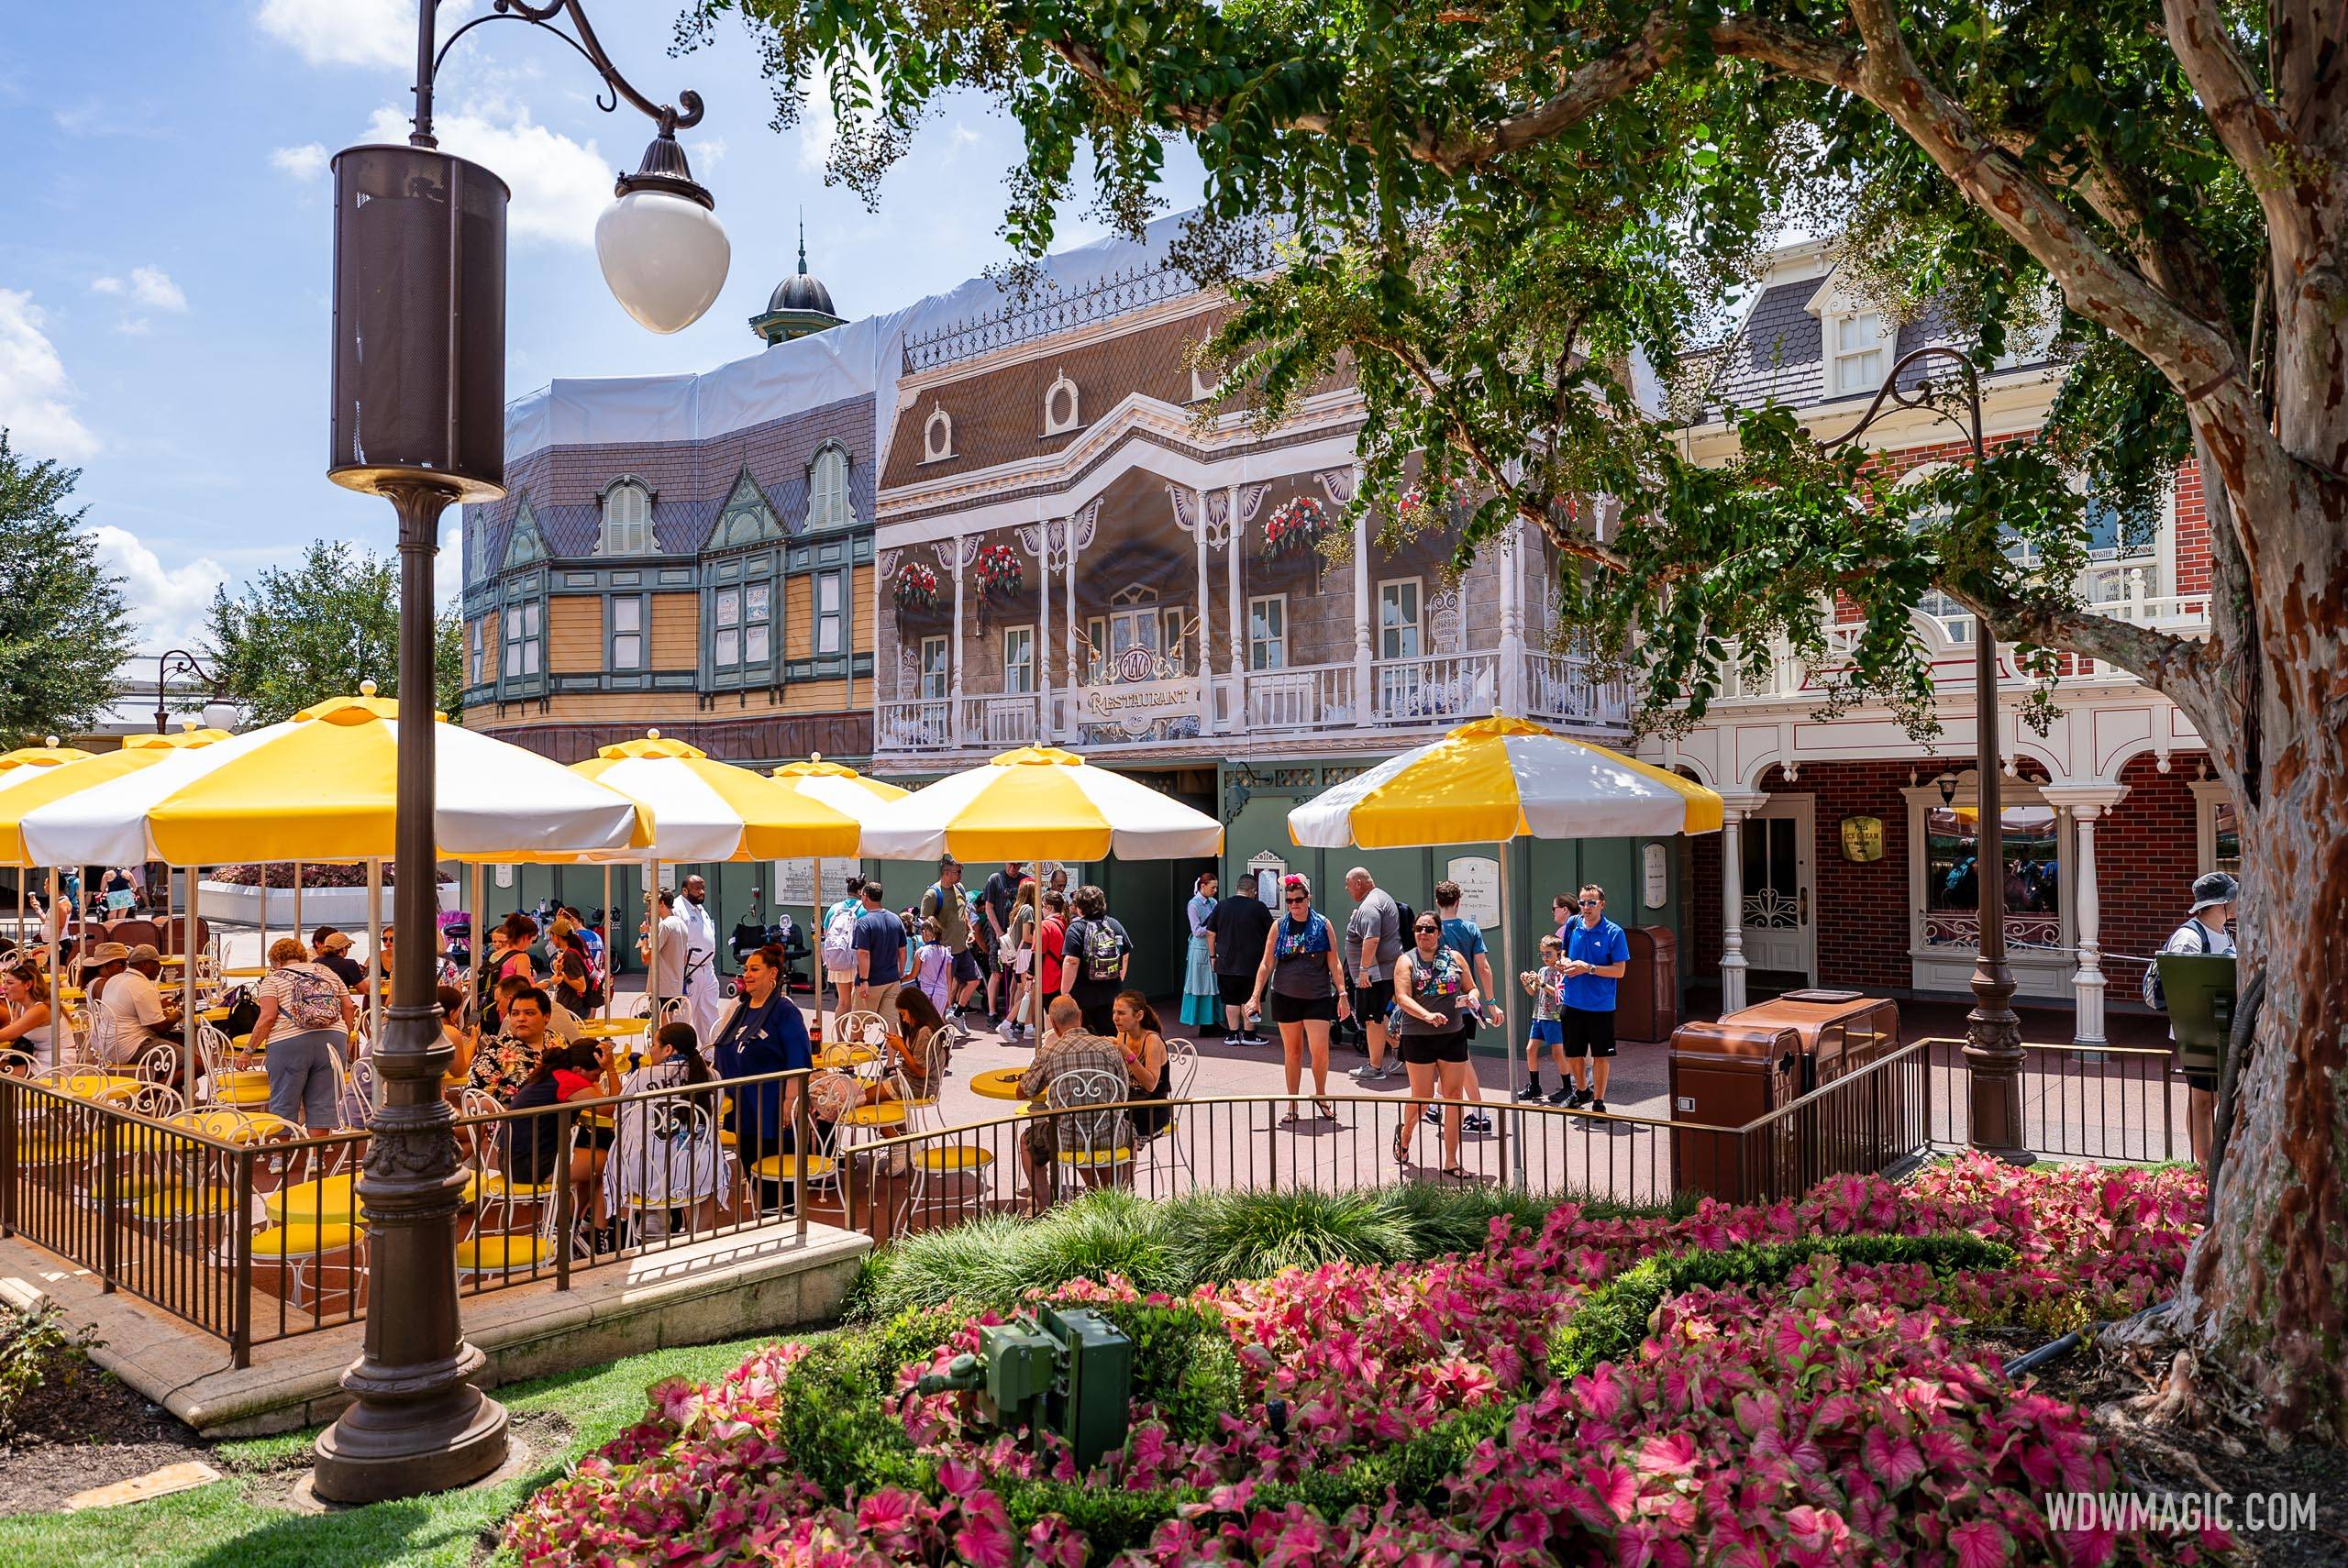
652	734
52	741
187	726
815	757
803	241
366	689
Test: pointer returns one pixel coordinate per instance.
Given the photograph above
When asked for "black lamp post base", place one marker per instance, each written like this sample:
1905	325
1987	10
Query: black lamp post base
376	1452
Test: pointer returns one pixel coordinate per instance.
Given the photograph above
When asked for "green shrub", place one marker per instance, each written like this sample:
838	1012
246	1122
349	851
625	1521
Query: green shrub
1221	1236
33	1348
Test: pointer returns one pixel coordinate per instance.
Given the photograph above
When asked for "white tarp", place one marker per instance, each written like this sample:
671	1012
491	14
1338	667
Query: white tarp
847	361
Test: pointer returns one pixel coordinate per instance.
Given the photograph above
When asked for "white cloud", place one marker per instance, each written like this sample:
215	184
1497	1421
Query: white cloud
134	327
704	153
350	32
967	136
306	161
560	187
819	126
150	286
449	566
167	602
35	395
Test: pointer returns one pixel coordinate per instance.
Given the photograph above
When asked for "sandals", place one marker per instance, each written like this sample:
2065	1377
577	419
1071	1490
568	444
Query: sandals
1457	1173
1402	1145
1289	1117
1325	1109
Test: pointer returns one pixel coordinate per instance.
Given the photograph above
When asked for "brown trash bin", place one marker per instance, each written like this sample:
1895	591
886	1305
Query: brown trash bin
1727	1074
1646	1005
1834	1033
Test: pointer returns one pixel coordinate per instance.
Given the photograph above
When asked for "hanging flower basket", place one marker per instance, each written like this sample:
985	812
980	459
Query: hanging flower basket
997	573
1421	505
1295	528
915	589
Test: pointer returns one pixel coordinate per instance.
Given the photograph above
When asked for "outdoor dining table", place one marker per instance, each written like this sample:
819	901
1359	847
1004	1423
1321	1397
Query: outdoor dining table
252	972
610	1028
999	1083
845	1055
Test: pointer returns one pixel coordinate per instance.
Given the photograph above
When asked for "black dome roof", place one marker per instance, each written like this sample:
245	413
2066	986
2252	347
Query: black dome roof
802	291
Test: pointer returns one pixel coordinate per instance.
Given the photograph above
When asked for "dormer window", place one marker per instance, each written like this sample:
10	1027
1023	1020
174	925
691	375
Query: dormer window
828	504
1205	384
1060	407
627	518
1858	352
937	437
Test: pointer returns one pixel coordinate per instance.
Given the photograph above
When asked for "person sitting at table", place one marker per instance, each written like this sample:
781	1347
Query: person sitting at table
453	1032
147	1017
533	1143
834	1091
501	1065
665	1159
331	950
24	1010
1067	1049
562	1023
306	1015
761	1032
1141	1040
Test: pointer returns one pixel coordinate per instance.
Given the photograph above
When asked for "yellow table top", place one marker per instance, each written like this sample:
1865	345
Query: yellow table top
172	961
254	973
70	993
610	1028
1002	1083
845	1055
214	1015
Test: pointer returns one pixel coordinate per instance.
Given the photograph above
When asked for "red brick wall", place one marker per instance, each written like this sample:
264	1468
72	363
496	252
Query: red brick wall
2145	850
2192	532
2145	862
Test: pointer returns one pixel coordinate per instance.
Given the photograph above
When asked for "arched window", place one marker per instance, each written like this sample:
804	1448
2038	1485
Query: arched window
627	518
828	504
937	437
1061	409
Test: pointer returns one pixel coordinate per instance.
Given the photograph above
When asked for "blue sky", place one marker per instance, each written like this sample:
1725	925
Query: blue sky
164	254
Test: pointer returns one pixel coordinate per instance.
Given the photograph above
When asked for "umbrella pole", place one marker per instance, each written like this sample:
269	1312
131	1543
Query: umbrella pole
187	977
56	981
814	936
609	984
1505	983
375	954
263	869
472	952
652	924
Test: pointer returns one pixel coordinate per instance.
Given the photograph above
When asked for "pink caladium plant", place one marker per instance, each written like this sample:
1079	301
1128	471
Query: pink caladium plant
1843	1416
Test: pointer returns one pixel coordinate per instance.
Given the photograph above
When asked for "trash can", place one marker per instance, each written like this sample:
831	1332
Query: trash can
1727	1074
1647	1000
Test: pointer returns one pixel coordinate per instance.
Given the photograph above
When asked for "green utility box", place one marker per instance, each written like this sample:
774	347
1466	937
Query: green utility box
2200	988
1069	1371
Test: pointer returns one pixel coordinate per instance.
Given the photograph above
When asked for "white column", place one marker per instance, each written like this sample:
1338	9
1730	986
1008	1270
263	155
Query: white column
1204	641
1515	686
1044	632
1074	680
2085	804
1364	707
954	662
1233	532
1733	814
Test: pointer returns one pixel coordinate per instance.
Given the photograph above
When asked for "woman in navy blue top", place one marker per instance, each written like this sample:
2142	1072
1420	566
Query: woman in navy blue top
760	1031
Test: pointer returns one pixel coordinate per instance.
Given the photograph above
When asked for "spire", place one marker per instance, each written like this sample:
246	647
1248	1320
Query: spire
800	304
803	241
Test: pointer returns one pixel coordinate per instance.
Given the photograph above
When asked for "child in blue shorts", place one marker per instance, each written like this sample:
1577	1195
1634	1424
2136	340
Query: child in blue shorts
1546	986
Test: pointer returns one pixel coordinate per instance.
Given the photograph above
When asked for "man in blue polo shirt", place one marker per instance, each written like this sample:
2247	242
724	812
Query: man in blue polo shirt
1597	953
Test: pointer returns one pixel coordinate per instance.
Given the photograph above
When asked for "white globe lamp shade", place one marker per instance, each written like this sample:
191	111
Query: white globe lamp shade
221	715
663	251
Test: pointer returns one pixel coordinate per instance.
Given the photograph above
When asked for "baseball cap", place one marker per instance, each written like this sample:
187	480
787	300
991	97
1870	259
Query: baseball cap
2213	888
144	954
336	941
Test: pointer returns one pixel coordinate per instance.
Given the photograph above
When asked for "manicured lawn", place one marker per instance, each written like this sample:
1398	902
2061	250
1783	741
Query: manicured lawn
220	1526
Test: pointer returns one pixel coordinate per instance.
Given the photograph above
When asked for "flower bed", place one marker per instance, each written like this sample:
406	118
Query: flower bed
1792	1383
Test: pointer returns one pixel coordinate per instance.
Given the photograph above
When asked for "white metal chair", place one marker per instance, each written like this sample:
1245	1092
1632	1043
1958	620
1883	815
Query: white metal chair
1094	1134
1182	1069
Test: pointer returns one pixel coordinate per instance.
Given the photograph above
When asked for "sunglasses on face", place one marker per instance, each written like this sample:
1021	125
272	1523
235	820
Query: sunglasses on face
1430	930
1298	899
1592	903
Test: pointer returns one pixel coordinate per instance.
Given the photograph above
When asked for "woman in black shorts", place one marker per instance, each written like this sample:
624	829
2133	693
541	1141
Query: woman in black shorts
1433	988
1308	981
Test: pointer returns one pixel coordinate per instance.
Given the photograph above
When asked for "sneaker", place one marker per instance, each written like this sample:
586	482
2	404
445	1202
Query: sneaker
1577	1100
1477	1122
1368	1074
1597	1105
1561	1097
1530	1094
1434	1118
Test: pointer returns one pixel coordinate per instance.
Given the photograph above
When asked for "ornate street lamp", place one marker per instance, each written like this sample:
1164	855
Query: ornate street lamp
1993	1054
179	661
419	418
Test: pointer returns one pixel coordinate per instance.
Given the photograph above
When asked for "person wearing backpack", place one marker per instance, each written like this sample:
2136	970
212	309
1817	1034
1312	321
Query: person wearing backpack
1096	954
948	903
306	1016
838	939
2206	929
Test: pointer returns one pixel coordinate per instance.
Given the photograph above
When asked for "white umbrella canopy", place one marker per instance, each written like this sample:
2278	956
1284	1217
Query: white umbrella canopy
321	786
703	810
1039	801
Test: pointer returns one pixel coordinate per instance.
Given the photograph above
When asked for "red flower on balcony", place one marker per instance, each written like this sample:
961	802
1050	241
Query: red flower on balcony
998	572
916	588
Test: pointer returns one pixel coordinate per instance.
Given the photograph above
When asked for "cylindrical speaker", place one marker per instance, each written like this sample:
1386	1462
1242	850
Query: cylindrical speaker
419	321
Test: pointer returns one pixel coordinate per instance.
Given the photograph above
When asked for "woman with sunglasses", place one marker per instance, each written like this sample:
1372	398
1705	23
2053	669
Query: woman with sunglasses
1308	982
1433	990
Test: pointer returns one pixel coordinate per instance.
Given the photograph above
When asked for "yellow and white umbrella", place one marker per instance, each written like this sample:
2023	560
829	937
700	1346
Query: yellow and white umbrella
707	810
1497	779
29	762
843	790
1040	801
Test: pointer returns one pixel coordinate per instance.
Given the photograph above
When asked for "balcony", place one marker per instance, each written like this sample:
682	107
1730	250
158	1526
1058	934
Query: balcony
1411	698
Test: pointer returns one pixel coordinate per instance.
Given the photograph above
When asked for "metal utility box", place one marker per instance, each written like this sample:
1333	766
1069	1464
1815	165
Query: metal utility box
1760	1058
1647	1002
1071	1372
2199	989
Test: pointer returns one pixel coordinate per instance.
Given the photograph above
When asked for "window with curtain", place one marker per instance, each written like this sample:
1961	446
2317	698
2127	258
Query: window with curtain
525	639
1398	618
1267	632
933	669
627	519
1859	354
828	504
1018	660
831	620
626	649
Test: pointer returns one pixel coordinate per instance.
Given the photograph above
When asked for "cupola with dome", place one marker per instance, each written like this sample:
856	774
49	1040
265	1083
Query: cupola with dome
799	305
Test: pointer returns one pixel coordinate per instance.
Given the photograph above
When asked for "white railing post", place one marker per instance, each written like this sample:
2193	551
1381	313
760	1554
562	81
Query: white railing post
2086	804
1513	690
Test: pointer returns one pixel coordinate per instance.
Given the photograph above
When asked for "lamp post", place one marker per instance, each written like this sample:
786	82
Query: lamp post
418	417
1993	1054
179	661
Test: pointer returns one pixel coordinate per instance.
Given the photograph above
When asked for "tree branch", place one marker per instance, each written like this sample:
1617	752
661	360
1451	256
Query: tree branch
2248	125
2176	667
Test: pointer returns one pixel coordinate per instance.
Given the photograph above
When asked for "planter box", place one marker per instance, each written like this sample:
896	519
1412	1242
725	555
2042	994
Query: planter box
230	902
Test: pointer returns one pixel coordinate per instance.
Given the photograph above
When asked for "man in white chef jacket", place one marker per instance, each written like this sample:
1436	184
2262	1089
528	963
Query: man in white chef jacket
702	1003
668	961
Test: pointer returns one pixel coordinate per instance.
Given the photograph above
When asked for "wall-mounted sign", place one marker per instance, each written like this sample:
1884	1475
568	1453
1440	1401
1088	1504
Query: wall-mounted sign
504	875
1135	706
1654	876
1480	888
1862	839
794	882
1266	869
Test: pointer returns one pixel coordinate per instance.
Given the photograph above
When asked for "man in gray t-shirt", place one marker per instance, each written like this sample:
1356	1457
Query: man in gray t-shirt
1373	941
